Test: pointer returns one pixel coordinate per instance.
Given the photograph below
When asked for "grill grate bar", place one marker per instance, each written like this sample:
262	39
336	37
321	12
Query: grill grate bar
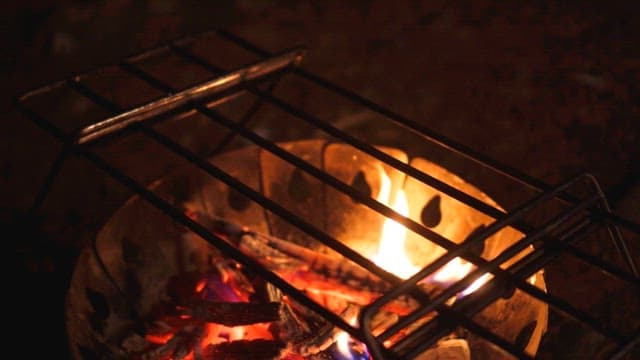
599	263
206	166
245	190
435	265
178	99
194	226
476	302
47	183
421	296
485	267
349	191
492	265
449	317
362	146
447	143
419	129
261	199
367	149
405	168
624	349
336	245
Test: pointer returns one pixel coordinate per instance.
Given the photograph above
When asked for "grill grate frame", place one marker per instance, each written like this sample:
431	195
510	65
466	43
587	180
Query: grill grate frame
272	69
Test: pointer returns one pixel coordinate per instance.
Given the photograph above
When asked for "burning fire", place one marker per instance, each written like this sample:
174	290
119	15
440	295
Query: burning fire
454	271
392	257
347	347
391	254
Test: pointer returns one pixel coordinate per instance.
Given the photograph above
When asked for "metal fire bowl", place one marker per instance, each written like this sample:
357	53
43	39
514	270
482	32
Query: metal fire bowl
140	248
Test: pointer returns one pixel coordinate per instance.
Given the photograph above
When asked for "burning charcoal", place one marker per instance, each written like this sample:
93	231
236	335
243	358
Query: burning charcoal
191	342
168	325
163	351
178	346
233	314
245	350
292	327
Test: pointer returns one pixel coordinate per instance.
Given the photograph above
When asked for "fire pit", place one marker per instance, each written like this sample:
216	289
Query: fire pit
331	247
139	257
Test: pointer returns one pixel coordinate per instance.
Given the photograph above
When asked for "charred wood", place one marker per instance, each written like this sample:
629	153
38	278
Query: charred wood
245	350
232	314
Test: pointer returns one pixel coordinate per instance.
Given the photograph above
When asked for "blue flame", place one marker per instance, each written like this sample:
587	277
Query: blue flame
356	351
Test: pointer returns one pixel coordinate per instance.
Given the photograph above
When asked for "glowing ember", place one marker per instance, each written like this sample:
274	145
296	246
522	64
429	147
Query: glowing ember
391	255
201	285
159	338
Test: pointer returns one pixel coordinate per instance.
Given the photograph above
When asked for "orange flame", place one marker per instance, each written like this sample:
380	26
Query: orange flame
159	338
200	285
391	255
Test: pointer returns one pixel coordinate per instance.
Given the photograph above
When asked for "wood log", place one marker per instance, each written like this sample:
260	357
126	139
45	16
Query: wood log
278	254
315	271
332	265
245	350
232	314
326	336
177	347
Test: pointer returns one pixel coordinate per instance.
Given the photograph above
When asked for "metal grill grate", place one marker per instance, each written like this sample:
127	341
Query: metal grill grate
213	86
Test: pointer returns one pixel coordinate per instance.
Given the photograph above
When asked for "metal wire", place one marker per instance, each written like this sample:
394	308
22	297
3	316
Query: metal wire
227	84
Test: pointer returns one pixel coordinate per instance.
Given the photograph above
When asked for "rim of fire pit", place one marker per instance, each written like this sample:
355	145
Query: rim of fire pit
593	208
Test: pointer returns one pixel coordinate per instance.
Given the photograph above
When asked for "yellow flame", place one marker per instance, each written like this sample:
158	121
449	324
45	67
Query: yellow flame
385	187
452	271
390	255
477	284
457	269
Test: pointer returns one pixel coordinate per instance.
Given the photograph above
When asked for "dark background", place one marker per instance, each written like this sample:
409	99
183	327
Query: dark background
550	89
